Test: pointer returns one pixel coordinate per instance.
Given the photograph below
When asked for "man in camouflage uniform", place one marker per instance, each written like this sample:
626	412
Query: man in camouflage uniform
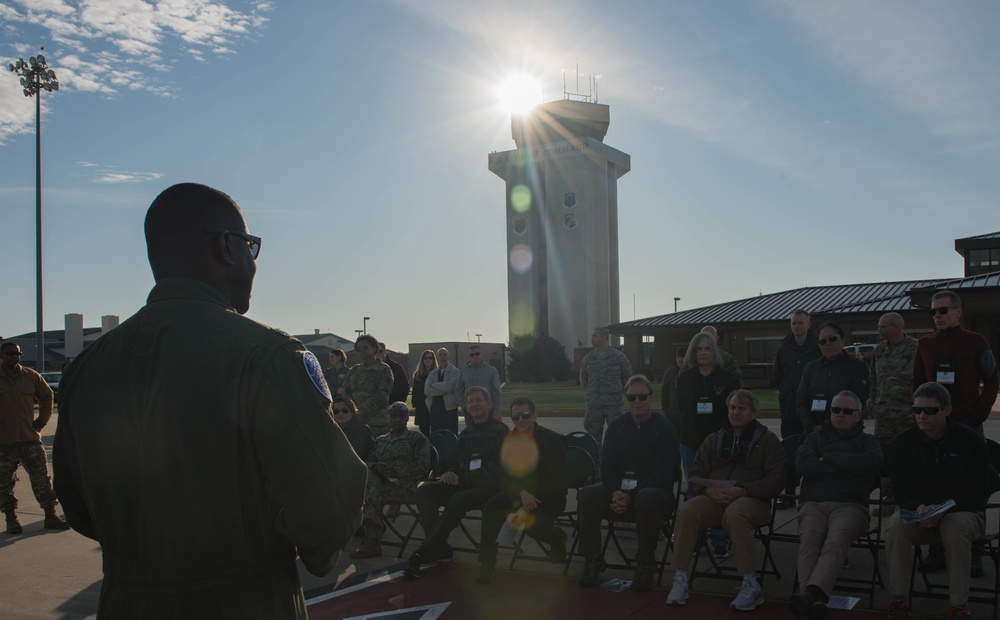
398	461
891	395
603	373
891	371
20	441
368	384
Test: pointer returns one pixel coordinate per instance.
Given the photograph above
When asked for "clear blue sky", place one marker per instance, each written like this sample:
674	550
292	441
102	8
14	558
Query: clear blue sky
774	145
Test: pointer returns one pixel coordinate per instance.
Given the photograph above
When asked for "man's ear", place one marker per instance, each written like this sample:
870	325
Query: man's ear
222	248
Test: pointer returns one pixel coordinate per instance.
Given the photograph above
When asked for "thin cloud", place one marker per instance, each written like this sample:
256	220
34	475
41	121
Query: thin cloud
116	176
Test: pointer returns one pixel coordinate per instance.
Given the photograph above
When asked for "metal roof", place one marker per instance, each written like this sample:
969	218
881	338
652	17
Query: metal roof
983	280
995	235
819	300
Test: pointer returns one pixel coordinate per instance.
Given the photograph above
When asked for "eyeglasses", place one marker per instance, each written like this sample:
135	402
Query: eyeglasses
925	410
843	410
830	339
475	354
341	410
253	242
12	353
641	397
941	310
363	346
520	416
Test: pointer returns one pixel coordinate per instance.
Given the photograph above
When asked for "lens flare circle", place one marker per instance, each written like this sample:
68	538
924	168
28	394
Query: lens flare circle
520	198
519	455
521	258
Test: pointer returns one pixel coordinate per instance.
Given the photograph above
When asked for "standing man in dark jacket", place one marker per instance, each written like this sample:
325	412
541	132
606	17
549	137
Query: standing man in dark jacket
189	404
532	486
838	464
937	461
400	384
958	359
796	350
639	465
471	477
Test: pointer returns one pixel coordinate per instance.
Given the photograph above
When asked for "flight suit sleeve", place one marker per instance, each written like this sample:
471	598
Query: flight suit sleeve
307	463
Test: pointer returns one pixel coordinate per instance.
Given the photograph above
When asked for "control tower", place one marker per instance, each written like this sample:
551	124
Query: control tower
562	222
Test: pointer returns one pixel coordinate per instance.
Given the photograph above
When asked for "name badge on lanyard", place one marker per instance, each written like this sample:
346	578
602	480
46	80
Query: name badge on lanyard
945	373
475	464
818	405
629	482
704	407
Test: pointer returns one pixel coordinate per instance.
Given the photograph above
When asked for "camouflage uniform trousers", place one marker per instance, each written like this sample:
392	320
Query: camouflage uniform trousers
593	423
31	455
379	492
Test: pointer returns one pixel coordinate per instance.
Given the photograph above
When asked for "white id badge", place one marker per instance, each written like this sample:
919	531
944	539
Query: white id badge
946	377
629	484
819	404
475	464
704	407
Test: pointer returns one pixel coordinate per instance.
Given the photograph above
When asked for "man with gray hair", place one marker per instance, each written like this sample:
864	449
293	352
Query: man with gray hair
958	359
936	464
603	373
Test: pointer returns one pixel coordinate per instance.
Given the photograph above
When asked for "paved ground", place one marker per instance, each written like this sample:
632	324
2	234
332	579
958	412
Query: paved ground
50	574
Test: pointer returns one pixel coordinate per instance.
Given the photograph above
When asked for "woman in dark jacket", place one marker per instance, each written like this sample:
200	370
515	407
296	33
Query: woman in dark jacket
822	379
345	414
702	389
426	365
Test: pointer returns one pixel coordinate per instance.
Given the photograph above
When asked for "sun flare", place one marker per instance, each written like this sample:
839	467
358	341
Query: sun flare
519	94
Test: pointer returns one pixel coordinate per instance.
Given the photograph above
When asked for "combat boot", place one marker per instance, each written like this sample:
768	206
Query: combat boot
54	521
13	527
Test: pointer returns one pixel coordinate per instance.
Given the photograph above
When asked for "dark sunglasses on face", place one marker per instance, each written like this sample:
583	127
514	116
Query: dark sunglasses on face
12	353
941	310
829	339
341	410
476	354
632	397
925	410
520	416
843	410
253	241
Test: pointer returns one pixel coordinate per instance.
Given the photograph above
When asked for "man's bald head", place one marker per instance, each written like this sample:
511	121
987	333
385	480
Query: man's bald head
711	331
890	327
189	230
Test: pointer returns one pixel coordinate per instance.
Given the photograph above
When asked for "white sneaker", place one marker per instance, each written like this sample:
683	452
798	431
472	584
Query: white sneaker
679	593
748	598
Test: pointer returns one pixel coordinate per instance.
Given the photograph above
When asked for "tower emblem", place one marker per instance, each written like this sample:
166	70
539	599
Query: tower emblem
569	221
569	200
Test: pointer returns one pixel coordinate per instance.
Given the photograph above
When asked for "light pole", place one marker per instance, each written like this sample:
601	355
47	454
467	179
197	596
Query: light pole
479	337
36	77
676	299
365	324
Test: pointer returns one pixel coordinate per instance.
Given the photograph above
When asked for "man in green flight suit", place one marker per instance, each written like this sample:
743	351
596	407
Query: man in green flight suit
197	446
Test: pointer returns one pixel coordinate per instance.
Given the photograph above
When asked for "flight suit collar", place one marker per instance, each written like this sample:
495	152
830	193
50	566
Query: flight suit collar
187	288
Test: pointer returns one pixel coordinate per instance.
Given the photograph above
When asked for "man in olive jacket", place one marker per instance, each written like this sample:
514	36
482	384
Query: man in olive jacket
751	457
197	446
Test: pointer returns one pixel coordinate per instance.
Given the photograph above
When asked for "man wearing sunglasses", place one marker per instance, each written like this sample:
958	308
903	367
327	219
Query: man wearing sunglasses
837	463
639	465
533	488
198	446
936	461
959	360
479	372
20	441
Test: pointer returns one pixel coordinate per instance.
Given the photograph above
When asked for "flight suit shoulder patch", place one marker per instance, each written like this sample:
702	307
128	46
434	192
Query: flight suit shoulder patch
315	372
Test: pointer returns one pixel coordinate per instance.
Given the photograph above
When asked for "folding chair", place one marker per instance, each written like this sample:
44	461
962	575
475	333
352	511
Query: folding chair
444	441
719	568
579	472
405	509
584	441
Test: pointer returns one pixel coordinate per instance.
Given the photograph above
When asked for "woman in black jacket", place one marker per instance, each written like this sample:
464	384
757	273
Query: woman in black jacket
822	379
426	365
702	388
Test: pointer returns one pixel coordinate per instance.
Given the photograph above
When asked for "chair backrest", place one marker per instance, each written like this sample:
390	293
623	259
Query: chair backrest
791	445
579	467
993	457
443	441
584	441
435	461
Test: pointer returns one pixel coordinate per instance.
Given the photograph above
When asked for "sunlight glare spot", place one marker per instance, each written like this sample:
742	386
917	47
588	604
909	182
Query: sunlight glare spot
520	198
521	258
522	320
519	94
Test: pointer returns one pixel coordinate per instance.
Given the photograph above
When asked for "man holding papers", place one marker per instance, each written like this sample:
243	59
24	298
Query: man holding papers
937	461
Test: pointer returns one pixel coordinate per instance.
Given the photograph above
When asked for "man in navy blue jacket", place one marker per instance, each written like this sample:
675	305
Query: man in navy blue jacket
640	460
